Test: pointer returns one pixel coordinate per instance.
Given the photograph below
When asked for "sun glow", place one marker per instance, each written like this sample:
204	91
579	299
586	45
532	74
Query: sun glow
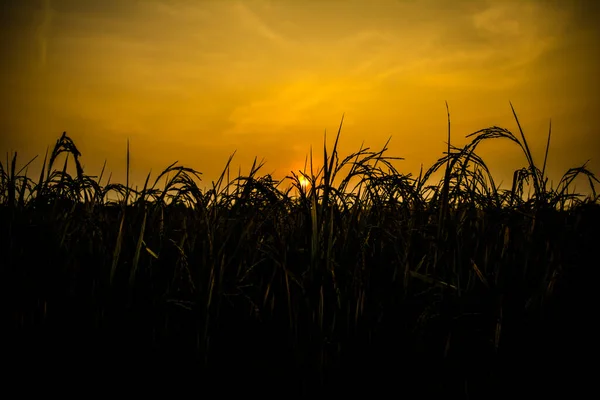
304	183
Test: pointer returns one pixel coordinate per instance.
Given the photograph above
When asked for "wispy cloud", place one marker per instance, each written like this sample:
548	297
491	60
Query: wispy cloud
43	32
295	104
252	21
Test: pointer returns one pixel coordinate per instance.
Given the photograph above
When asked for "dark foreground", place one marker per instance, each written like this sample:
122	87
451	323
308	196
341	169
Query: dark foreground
419	342
393	288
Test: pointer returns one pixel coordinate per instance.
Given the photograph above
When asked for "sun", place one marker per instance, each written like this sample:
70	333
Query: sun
303	182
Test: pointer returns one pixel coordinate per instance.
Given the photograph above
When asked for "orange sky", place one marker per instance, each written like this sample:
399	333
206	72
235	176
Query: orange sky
193	81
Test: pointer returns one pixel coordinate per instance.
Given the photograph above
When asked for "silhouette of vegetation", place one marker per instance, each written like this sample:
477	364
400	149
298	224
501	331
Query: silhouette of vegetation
365	279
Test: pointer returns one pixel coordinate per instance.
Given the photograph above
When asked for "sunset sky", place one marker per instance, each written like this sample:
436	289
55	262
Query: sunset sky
193	80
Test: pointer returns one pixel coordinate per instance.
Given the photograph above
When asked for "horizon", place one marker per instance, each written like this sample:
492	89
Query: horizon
227	182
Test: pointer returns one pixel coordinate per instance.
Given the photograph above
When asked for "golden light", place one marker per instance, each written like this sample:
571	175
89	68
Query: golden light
303	182
266	75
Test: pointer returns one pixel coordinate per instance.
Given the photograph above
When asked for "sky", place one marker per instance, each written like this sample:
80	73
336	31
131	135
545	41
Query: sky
195	80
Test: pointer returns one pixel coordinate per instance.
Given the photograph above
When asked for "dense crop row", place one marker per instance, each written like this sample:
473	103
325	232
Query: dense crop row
353	276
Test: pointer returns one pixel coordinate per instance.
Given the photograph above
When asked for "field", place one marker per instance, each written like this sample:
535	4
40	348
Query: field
352	279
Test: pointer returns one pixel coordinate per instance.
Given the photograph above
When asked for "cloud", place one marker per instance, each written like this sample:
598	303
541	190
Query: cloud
44	31
296	104
251	20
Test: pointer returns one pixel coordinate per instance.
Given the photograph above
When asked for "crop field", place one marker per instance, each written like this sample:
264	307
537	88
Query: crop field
353	278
